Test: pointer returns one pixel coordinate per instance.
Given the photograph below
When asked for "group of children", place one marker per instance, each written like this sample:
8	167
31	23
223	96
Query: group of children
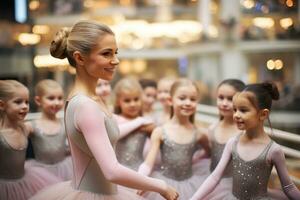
162	154
158	144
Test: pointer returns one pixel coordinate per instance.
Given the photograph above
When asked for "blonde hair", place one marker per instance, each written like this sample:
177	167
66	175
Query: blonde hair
183	82
81	37
125	84
43	86
7	91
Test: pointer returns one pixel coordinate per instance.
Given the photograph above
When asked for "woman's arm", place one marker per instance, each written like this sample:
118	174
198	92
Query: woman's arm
90	121
278	159
147	166
211	182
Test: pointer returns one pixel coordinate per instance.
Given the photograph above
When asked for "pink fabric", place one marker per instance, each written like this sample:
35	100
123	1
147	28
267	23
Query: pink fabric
144	169
128	126
65	191
62	169
275	156
90	121
211	182
21	189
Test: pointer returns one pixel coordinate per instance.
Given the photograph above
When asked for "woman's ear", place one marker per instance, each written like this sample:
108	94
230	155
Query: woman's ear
79	59
2	105
37	100
264	114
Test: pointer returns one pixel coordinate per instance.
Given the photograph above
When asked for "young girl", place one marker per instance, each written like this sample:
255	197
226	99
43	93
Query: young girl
17	181
163	95
128	107
149	96
220	132
103	90
253	153
47	134
92	131
177	140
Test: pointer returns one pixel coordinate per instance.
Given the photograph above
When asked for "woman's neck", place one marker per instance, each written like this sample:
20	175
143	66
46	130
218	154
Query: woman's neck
84	83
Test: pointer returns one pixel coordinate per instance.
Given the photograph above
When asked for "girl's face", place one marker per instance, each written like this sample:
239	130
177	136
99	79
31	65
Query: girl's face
163	92
130	103
245	114
52	101
17	107
103	88
225	94
102	60
149	96
185	100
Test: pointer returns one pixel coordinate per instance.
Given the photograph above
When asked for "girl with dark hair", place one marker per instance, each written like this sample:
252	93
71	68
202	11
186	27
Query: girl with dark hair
252	153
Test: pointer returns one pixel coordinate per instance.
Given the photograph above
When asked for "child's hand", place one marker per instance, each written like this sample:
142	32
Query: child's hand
147	128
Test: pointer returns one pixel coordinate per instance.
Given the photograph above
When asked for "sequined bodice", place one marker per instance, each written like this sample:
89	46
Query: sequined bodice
88	175
216	154
250	178
48	149
129	150
11	160
177	158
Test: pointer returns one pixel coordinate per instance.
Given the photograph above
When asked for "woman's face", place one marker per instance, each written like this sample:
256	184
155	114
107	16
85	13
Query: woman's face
102	60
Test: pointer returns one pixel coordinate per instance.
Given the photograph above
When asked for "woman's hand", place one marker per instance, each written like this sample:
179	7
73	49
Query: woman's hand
169	193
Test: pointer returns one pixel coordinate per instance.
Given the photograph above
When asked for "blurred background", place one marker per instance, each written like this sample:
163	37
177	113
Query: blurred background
204	40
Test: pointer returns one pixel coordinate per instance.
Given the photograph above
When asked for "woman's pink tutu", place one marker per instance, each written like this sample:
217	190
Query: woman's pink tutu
64	191
33	180
62	169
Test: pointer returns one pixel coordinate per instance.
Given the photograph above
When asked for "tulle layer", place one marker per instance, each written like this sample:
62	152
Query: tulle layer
186	188
232	197
33	180
62	169
223	189
64	191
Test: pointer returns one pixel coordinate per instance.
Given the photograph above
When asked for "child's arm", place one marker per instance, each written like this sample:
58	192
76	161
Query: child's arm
129	126
211	182
204	142
278	159
147	166
29	128
88	119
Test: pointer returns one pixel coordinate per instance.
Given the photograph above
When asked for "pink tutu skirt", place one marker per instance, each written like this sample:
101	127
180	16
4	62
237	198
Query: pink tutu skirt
23	188
62	169
187	187
64	191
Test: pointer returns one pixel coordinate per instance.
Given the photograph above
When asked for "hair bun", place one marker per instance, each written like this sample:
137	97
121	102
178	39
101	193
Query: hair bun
272	89
58	47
